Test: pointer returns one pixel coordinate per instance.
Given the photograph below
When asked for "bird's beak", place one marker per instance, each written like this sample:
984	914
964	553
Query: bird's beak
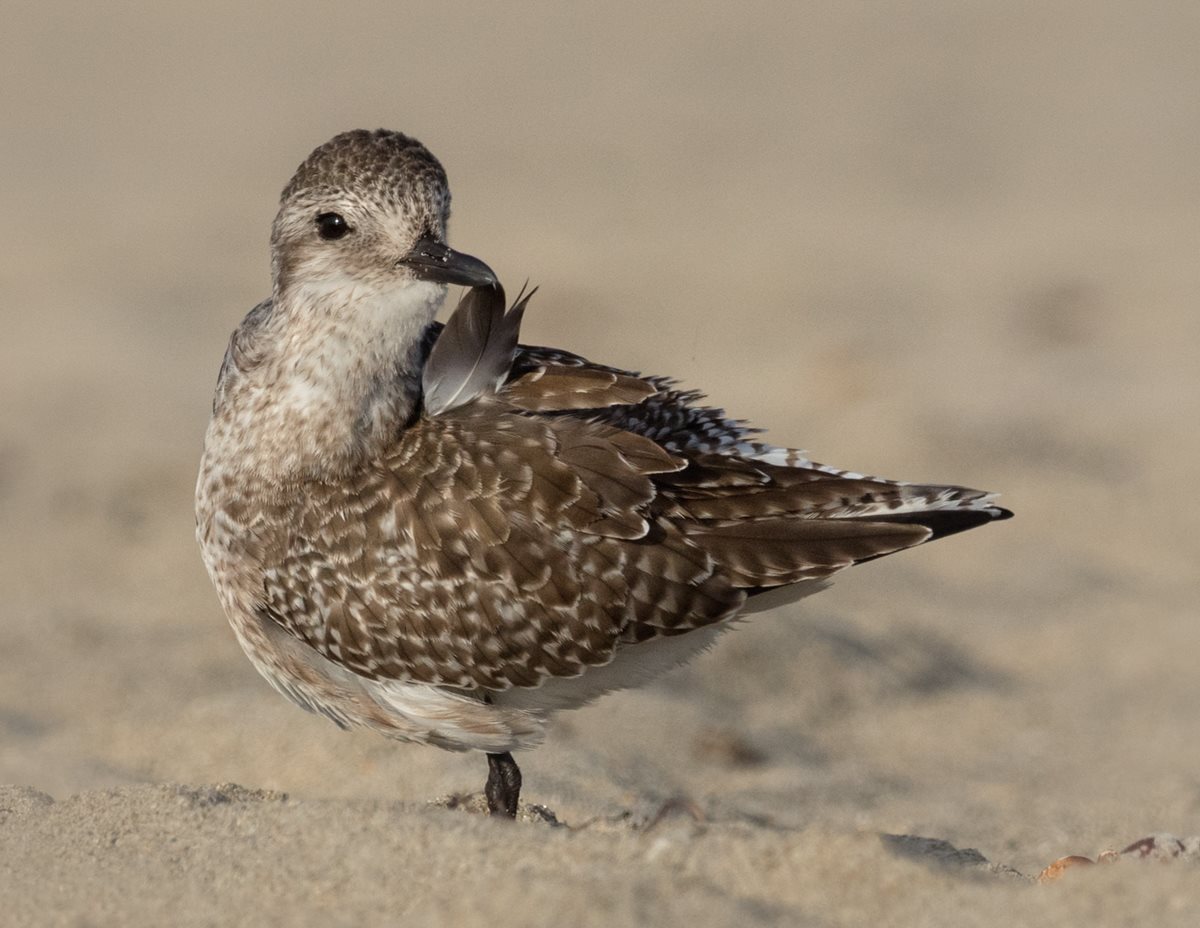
433	260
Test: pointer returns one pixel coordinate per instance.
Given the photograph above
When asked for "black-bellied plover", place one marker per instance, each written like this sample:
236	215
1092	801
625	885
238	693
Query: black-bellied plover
445	536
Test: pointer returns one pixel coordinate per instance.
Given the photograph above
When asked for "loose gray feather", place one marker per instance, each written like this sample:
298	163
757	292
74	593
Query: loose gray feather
474	352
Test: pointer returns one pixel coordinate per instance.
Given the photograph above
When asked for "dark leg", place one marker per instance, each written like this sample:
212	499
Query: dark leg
503	785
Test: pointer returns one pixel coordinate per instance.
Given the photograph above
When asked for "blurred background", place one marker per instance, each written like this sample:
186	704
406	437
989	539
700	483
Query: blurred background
934	240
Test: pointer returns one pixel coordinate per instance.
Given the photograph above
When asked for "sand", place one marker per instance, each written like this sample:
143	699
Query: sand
935	240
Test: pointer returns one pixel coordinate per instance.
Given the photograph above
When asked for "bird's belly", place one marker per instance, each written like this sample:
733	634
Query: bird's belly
402	710
632	665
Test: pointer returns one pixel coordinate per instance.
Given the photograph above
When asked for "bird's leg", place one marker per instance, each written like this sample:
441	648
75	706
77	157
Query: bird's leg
503	785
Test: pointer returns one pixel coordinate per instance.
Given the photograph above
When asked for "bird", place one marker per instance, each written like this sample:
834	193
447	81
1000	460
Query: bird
446	536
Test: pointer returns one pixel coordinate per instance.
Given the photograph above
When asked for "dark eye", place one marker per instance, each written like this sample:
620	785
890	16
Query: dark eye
332	226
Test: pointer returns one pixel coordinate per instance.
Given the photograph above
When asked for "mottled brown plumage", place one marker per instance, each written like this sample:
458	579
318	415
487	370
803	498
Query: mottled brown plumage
444	536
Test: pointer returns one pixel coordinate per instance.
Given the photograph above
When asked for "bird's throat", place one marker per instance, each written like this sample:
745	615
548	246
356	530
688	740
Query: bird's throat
337	382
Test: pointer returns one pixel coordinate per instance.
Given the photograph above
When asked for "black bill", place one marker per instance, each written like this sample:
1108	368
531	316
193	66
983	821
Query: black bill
432	260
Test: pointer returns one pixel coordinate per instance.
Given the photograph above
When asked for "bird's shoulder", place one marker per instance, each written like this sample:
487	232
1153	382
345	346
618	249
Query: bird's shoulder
551	380
242	352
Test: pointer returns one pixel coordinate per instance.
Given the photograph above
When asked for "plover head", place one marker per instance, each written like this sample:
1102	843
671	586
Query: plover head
360	267
367	210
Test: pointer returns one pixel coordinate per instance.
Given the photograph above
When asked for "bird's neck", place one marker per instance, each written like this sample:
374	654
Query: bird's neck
331	378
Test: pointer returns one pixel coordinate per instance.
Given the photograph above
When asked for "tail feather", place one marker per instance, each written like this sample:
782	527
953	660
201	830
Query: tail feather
943	522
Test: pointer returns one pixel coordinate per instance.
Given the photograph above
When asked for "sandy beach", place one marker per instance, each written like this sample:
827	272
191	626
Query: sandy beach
938	241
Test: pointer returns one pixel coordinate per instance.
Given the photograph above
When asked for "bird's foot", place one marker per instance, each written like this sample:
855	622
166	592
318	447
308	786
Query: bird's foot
477	804
503	789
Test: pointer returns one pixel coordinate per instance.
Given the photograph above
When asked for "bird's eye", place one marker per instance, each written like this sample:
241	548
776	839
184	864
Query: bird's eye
332	226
